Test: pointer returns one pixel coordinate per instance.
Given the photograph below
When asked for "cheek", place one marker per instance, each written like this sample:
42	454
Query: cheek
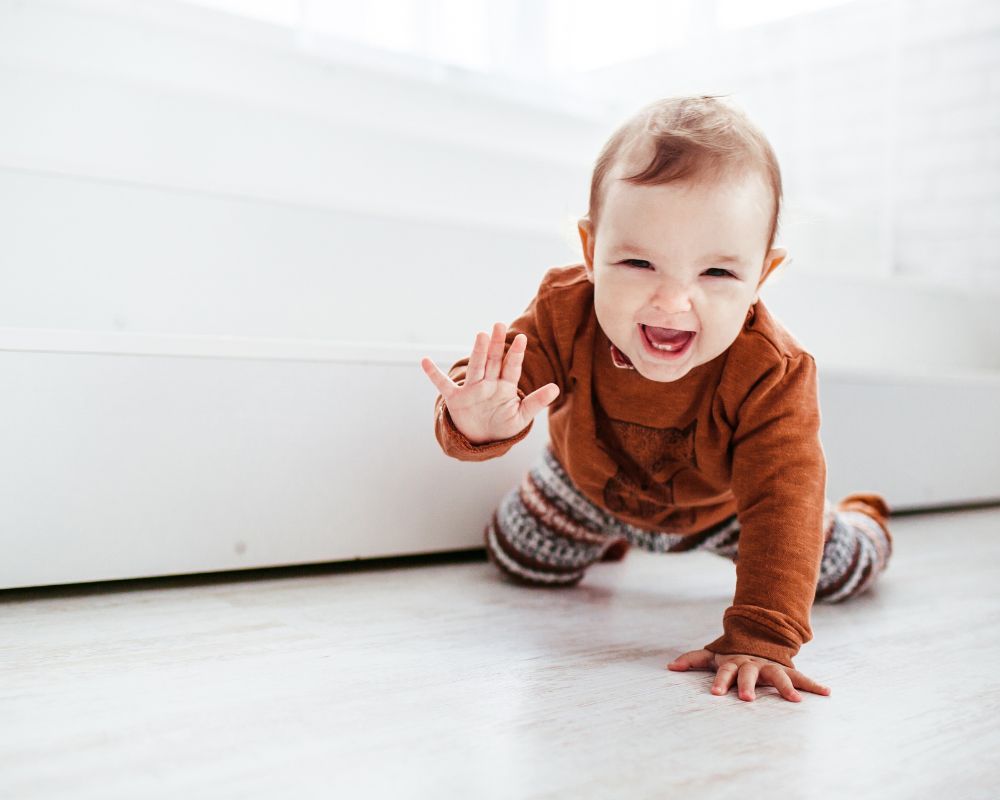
608	296
728	298
619	292
727	327
604	309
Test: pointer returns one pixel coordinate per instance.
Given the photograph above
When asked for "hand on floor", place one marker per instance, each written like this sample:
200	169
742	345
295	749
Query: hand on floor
748	671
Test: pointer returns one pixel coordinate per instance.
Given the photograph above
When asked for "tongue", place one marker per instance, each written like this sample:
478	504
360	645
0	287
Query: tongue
666	335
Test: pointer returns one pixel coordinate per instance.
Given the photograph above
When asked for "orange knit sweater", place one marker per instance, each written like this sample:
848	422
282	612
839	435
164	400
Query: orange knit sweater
737	435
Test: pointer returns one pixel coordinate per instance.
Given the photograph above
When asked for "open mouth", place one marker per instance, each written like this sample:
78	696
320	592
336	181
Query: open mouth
666	344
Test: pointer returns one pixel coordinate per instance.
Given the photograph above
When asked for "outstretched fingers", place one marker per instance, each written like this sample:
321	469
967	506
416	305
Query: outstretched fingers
538	400
807	683
442	382
515	359
724	677
746	680
780	680
695	659
494	355
477	360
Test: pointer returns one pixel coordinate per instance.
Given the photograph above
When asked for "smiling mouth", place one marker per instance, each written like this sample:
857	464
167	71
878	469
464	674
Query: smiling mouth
674	343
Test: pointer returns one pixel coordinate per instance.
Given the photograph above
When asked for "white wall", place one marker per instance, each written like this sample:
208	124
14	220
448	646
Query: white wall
182	171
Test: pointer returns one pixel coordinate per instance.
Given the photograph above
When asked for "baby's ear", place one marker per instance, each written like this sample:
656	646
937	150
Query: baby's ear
772	261
586	229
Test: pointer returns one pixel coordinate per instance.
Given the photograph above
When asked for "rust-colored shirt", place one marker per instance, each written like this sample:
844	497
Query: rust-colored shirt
737	435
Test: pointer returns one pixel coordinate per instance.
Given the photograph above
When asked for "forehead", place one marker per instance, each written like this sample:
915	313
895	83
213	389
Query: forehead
734	211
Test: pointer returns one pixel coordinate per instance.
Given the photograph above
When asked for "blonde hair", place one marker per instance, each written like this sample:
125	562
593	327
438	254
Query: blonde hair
698	138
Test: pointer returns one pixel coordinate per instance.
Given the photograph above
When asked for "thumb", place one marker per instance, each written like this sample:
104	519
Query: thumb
695	659
538	400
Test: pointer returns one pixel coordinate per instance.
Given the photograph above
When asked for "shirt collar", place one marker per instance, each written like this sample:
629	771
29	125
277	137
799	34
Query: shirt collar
619	359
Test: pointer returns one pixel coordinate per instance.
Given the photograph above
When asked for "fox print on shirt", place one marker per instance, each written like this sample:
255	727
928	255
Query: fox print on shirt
648	461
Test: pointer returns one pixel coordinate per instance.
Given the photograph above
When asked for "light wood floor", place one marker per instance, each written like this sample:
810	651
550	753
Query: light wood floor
440	680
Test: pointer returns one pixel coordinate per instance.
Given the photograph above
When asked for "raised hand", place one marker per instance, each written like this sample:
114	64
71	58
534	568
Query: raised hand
486	408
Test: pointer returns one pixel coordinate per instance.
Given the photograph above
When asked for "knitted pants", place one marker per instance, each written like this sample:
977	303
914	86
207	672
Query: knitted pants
546	533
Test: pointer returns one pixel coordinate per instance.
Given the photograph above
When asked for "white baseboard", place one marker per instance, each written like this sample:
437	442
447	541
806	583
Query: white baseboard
132	456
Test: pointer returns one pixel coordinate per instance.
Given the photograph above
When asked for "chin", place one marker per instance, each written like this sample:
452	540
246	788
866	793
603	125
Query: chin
656	374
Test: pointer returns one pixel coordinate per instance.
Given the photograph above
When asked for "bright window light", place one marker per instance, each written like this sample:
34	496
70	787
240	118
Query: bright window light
280	12
526	38
741	13
587	35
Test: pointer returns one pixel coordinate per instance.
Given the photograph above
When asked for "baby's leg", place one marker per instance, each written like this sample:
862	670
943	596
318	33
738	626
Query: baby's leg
545	533
857	549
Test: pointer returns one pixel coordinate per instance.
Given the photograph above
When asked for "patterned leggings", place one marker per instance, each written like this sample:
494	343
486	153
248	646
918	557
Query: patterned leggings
546	533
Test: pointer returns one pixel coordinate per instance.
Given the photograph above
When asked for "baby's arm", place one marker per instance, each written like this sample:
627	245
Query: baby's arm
779	481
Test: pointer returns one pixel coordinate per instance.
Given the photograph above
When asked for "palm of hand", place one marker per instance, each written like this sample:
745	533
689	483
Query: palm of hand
486	407
498	397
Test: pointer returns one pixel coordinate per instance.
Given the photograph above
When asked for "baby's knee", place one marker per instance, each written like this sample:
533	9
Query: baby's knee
522	566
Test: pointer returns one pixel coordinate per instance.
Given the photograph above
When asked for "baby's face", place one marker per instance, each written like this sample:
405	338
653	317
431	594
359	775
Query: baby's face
686	256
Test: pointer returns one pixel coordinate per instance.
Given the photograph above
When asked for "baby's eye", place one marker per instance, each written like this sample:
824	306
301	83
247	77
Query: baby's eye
642	263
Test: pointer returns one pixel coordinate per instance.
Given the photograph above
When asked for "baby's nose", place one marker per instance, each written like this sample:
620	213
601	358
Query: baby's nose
671	296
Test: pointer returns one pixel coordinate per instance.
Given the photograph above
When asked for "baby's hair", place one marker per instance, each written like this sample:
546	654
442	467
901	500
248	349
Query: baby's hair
695	137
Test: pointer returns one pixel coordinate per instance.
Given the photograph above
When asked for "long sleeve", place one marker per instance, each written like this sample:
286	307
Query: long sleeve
540	366
779	482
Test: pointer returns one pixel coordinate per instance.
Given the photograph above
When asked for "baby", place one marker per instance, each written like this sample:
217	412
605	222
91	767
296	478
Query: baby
682	414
